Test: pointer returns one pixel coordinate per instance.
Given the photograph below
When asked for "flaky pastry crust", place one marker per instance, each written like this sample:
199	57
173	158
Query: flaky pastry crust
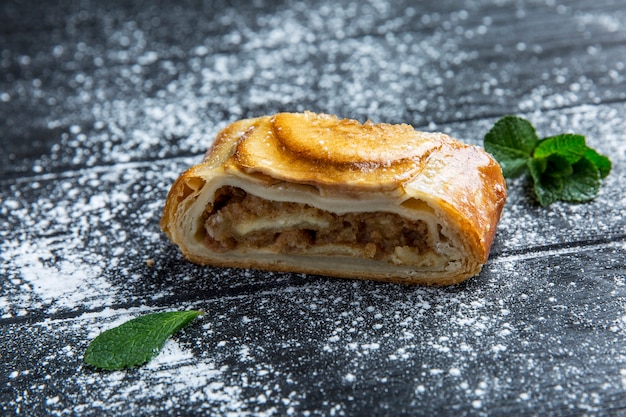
441	198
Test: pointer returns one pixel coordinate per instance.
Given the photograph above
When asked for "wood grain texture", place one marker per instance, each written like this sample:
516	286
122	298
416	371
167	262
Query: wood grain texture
103	105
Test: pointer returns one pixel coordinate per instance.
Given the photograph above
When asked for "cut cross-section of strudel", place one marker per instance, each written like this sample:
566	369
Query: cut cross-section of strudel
312	193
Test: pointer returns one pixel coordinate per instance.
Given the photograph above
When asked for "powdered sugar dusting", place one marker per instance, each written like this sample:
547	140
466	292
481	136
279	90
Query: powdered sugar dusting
396	65
81	251
72	238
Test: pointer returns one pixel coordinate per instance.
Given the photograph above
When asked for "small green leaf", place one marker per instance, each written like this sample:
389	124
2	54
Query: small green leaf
571	147
558	166
584	183
561	167
547	187
600	161
511	141
136	341
579	183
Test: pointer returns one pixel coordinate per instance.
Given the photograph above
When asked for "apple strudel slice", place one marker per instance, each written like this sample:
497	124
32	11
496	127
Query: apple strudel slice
312	193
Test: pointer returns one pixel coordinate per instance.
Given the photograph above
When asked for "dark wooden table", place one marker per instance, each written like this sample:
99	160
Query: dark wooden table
103	104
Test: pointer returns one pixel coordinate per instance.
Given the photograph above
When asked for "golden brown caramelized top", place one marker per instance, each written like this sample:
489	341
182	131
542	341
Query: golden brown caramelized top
323	150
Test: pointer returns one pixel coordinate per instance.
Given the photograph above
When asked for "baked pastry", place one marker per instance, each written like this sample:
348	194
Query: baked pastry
312	193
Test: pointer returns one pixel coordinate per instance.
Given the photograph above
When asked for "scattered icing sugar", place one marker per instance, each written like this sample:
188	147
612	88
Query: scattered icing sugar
137	111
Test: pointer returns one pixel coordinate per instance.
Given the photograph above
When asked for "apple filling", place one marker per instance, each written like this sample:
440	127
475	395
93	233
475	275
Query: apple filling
239	220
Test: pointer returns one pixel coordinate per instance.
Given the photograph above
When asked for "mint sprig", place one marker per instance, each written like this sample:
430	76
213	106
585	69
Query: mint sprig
561	167
136	341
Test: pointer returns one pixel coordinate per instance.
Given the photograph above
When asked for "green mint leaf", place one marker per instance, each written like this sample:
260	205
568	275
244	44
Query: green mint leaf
511	141
558	166
584	183
600	161
561	167
547	187
137	341
571	147
578	183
